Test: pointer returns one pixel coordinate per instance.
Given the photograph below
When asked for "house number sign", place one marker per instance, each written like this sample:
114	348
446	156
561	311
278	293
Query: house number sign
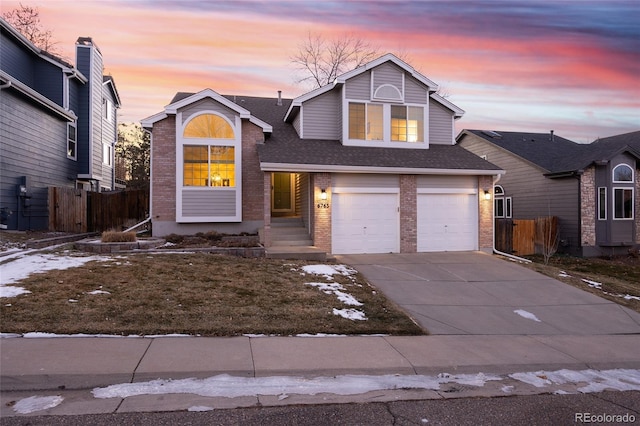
323	205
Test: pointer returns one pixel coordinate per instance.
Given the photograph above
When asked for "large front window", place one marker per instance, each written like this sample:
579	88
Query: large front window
400	123
206	165
622	203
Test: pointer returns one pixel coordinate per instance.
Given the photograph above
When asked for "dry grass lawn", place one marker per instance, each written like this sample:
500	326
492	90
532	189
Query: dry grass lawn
197	294
619	276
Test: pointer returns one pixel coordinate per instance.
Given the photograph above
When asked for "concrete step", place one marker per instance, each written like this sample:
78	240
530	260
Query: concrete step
290	230
291	242
283	222
296	252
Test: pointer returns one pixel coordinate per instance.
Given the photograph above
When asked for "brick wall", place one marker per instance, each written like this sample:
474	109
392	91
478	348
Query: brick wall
252	177
408	214
588	208
485	214
163	177
321	231
266	209
637	212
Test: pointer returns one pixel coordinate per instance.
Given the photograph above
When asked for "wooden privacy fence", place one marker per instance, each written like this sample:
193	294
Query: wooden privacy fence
79	211
526	236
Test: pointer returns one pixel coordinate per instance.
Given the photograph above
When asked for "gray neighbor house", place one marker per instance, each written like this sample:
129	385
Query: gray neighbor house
592	188
58	127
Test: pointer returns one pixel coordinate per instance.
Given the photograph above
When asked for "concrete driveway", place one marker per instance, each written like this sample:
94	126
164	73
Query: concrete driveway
479	294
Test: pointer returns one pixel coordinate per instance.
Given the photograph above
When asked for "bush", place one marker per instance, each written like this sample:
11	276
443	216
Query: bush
118	237
174	238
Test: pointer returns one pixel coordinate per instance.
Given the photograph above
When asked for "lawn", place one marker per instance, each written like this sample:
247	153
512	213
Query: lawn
201	294
616	278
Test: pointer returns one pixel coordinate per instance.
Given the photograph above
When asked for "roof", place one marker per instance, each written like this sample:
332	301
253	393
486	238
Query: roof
108	80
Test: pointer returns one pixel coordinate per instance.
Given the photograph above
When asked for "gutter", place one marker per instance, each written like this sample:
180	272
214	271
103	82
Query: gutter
495	250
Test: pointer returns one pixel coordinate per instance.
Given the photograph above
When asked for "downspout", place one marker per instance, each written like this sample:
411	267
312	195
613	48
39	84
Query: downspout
495	250
5	85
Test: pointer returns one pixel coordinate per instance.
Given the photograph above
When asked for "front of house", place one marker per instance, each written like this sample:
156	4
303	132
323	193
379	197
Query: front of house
367	164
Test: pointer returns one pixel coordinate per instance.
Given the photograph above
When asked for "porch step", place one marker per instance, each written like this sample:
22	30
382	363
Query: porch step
289	232
296	252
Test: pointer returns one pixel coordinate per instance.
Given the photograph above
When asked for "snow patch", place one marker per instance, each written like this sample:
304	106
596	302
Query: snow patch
593	284
200	408
352	314
36	403
527	315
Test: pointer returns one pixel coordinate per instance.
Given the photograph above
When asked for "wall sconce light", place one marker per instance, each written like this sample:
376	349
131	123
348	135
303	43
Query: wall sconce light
487	194
323	194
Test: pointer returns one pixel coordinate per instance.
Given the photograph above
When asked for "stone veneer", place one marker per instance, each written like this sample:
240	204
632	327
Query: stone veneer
485	214
588	207
408	214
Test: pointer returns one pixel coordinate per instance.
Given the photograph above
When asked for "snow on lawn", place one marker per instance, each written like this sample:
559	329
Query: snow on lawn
23	266
596	381
598	286
337	289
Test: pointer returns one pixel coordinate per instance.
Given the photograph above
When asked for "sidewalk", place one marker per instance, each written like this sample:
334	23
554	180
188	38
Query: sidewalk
88	362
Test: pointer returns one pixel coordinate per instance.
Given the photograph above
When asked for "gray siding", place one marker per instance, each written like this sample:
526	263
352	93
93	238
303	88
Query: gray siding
614	231
207	104
208	203
83	61
321	116
48	79
415	92
359	87
17	62
296	123
388	73
95	90
440	124
357	180
532	194
304	209
33	145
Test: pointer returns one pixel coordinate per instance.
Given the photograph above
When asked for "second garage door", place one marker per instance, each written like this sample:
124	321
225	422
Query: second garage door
365	223
447	222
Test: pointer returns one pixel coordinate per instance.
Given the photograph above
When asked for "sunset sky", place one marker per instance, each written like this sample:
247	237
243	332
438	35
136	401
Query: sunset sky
570	66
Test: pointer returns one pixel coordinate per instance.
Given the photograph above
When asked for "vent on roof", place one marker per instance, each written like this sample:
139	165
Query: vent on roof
492	134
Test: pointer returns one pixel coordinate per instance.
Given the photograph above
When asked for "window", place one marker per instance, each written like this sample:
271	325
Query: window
622	203
507	207
72	141
407	124
402	123
365	122
209	166
209	126
501	204
622	173
107	154
602	203
108	110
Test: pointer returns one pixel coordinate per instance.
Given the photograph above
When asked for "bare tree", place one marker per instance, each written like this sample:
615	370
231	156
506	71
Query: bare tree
547	236
26	19
321	60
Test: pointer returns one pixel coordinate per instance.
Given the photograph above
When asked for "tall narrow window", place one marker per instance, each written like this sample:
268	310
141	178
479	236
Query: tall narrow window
398	123
72	141
622	203
602	203
407	123
356	121
375	130
107	154
507	207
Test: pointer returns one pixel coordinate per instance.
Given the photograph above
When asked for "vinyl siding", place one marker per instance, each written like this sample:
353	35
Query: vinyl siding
532	194
17	62
33	144
388	73
415	92
304	208
321	116
48	79
83	63
95	93
357	180
359	87
207	105
440	124
296	123
208	203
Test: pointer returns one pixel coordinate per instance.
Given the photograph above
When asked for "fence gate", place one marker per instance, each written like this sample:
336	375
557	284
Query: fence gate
67	210
524	236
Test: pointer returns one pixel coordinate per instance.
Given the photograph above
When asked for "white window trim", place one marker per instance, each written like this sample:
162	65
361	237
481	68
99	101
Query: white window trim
508	205
606	209
613	174
181	141
75	156
108	154
633	200
386	117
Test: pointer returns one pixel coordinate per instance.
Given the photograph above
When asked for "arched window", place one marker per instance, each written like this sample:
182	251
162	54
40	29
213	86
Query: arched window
502	204
498	190
208	126
622	173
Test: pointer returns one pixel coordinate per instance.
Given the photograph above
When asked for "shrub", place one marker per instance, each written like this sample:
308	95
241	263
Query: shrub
174	238
118	237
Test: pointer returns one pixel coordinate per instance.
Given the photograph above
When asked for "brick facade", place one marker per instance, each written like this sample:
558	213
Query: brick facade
321	230
252	177
266	209
408	214
636	214
485	214
588	207
163	176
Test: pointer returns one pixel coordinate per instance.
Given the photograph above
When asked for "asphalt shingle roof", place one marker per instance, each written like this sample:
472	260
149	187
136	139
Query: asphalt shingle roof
284	146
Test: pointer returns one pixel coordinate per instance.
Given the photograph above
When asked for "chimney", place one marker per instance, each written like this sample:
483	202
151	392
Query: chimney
552	137
279	103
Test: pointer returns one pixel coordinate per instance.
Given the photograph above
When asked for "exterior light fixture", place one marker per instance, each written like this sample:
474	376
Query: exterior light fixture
487	194
323	194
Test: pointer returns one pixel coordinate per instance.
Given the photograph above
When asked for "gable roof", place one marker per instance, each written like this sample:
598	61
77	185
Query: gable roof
107	80
546	150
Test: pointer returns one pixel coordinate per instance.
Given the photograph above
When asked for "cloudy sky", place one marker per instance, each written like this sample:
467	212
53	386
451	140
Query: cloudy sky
567	65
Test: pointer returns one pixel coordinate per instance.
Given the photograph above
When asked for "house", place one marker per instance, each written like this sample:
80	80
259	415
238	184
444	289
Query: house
366	164
57	124
591	188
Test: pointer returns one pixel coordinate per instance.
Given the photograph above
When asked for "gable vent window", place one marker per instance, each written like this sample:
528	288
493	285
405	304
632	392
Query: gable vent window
388	92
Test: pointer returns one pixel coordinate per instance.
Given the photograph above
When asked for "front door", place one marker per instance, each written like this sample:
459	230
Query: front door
282	193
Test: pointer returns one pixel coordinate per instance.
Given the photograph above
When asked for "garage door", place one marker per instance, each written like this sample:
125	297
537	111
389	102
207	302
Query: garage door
447	222
365	223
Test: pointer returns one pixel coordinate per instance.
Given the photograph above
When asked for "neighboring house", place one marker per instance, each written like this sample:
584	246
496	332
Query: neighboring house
57	125
367	164
591	188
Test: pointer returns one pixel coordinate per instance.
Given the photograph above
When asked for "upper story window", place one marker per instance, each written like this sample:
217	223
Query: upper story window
108	110
72	141
209	126
107	154
622	173
384	122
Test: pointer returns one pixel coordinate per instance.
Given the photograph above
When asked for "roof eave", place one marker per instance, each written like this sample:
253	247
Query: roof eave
281	167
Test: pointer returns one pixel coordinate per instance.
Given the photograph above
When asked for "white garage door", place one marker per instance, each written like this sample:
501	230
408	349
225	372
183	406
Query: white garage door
365	223
447	222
